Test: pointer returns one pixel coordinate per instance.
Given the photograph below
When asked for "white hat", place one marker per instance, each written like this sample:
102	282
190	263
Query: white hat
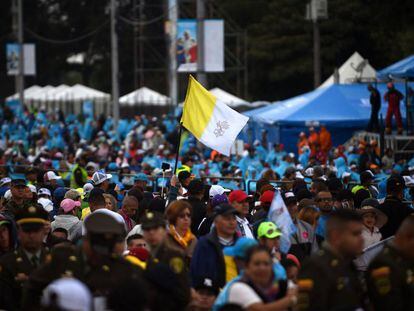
217	189
51	176
345	175
409	181
69	294
87	187
5	180
92	164
46	203
32	188
8	195
125	165
99	177
299	175
118	218
309	172
44	191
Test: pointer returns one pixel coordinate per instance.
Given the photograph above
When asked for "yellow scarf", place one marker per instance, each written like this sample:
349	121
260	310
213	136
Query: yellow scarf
183	241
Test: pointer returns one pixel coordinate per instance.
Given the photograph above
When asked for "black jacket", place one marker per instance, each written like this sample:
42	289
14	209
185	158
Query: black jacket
198	213
396	212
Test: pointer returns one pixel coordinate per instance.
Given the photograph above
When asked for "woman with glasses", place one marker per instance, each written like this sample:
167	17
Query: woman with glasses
179	235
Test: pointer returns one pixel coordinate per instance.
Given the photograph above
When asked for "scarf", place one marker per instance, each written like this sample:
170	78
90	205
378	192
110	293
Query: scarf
183	241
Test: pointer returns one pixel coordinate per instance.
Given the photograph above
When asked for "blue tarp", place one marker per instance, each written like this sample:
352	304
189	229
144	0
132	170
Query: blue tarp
403	69
344	109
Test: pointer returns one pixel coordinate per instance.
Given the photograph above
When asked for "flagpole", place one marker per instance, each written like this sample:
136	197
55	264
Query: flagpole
178	148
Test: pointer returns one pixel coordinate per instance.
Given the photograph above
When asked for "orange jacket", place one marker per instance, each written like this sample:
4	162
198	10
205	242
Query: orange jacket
325	140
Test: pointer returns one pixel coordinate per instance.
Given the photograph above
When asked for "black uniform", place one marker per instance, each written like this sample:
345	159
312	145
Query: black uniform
173	263
15	269
390	279
375	101
101	277
327	282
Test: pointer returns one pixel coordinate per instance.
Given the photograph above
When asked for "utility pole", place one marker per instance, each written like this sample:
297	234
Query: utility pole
316	54
172	70
316	10
141	43
115	65
201	15
17	7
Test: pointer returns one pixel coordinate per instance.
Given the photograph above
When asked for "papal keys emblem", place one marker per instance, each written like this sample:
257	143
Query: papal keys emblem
222	126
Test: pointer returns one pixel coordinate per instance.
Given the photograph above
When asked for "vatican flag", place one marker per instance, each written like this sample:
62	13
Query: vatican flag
211	121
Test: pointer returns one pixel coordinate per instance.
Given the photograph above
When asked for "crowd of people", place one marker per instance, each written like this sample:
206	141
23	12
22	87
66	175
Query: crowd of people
94	218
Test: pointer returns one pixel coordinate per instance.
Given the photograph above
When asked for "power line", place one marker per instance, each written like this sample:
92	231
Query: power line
69	41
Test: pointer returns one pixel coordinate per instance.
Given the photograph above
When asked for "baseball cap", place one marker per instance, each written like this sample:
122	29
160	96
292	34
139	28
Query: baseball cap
51	176
267	196
67	294
238	196
395	183
32	188
72	194
152	220
87	188
309	172
18	182
99	177
195	186
345	174
268	230
68	205
4	181
206	283
141	177
366	176
217	189
409	181
240	248
44	191
289	198
224	209
184	175
219	199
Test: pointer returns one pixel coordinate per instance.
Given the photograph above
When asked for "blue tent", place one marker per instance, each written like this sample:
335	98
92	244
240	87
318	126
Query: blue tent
344	109
403	69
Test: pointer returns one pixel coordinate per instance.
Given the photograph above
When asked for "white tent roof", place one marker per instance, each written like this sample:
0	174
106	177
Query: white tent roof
62	92
146	96
356	67
227	98
27	92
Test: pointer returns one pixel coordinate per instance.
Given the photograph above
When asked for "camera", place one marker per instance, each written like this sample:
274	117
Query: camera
165	166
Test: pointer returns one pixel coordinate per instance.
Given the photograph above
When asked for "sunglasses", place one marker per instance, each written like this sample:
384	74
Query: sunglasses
188	215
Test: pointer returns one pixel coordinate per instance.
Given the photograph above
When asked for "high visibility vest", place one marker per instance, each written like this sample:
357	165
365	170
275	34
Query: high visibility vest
73	183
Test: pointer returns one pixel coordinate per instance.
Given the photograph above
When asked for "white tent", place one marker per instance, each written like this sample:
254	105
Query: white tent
227	98
61	93
144	96
356	68
27	92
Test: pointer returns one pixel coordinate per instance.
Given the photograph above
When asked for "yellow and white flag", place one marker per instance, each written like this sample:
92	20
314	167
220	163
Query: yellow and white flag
211	121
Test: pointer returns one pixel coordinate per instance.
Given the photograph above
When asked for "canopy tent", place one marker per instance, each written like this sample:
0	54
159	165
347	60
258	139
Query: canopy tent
342	108
227	98
67	98
403	69
144	96
356	68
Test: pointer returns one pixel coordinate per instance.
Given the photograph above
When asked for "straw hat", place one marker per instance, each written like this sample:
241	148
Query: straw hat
370	208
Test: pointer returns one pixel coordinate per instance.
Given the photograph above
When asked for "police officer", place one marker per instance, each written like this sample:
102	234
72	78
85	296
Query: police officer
97	263
390	276
17	266
328	280
18	199
164	258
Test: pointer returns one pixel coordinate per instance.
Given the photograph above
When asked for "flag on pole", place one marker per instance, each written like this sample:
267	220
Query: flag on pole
211	121
279	215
